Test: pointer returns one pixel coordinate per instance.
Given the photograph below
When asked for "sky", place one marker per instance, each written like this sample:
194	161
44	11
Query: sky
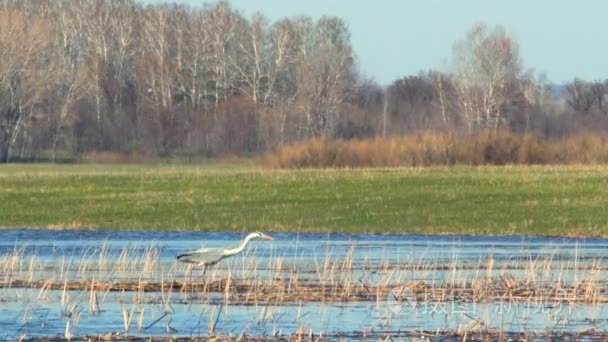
396	38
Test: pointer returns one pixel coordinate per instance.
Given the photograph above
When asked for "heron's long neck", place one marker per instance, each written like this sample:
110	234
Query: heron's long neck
239	248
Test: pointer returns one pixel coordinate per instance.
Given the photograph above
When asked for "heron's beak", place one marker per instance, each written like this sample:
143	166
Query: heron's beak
266	237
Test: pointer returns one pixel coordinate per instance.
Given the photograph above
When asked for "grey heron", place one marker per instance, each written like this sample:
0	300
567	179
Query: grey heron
210	256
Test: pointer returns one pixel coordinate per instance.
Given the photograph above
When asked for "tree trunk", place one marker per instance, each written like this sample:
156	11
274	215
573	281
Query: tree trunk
384	112
10	134
439	85
5	151
55	142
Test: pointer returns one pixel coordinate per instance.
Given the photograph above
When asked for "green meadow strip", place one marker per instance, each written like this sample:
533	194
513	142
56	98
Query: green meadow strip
569	200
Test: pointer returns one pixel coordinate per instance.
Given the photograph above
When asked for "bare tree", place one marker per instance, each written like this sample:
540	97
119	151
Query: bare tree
440	83
600	91
95	18
221	28
325	75
23	73
292	43
412	104
194	77
252	62
160	68
579	96
284	50
195	73
159	74
69	72
487	66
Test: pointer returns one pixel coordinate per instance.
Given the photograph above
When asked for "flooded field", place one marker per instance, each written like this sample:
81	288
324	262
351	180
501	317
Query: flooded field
119	285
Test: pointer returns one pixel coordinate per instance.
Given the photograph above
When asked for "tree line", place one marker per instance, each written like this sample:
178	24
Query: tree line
173	80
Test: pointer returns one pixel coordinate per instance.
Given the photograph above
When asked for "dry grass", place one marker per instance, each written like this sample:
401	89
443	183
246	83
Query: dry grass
307	335
481	335
430	148
140	278
329	280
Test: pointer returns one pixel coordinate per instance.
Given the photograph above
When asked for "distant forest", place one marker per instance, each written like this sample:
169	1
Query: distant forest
86	76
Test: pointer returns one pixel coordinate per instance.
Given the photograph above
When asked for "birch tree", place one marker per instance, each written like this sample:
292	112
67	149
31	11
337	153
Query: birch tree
23	73
325	75
487	66
251	63
69	70
221	25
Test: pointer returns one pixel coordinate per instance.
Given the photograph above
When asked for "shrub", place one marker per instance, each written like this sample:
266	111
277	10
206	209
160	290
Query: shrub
427	148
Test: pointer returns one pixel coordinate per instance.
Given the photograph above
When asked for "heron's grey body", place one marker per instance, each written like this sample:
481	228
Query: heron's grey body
203	256
211	256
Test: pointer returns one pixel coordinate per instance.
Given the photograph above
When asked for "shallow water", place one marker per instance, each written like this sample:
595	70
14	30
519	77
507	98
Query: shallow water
86	255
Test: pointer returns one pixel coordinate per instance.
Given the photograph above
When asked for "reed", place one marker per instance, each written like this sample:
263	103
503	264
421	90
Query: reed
145	277
519	280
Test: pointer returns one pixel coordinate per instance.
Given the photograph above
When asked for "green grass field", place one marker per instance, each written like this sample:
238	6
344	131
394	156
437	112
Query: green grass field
469	200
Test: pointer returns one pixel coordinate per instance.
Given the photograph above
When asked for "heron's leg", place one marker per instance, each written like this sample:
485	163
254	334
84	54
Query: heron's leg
190	272
204	281
203	275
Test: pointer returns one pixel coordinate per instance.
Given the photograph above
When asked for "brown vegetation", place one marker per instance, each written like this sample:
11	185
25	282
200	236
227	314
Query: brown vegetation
247	292
441	148
482	335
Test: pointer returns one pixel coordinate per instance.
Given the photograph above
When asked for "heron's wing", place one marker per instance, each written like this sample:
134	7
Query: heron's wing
205	250
205	256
